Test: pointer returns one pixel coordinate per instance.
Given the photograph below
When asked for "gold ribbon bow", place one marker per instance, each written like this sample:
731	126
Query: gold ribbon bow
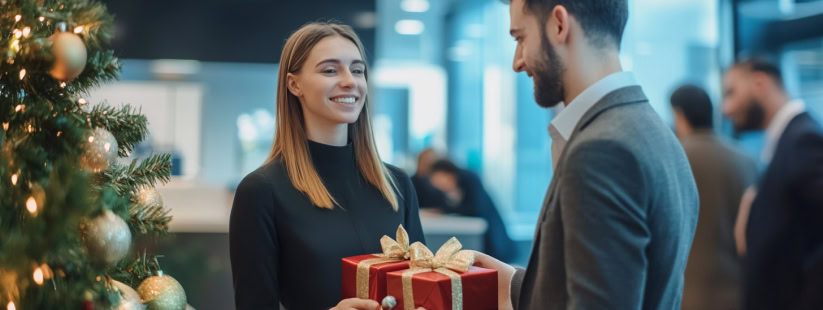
449	258
393	251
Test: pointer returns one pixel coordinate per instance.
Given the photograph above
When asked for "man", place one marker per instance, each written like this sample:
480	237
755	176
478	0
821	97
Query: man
469	198
783	266
428	196
621	210
714	271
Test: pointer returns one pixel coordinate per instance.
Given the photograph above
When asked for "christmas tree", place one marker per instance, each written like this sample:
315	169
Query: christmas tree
70	203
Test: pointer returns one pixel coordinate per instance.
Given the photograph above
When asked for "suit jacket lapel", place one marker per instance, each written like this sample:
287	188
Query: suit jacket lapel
618	97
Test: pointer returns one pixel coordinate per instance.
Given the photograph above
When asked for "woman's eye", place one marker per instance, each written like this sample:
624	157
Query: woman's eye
357	71
329	71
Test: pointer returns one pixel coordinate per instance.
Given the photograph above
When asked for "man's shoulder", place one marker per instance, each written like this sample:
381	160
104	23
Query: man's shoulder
633	125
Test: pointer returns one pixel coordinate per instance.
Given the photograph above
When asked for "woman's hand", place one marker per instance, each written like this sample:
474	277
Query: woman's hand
357	304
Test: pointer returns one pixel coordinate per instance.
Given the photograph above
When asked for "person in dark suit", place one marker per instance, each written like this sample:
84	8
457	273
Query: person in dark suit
621	209
323	194
783	244
468	197
722	173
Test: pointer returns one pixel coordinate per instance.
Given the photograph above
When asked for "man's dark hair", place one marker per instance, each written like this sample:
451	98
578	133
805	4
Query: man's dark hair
603	21
695	104
762	66
445	165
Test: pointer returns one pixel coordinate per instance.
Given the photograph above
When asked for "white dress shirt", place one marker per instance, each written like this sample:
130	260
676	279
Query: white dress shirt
778	125
563	124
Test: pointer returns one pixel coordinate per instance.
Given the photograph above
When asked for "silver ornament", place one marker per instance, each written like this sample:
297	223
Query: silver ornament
149	196
129	299
100	150
162	292
70	56
107	237
389	302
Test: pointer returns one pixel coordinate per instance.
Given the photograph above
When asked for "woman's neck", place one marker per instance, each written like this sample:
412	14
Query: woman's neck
325	132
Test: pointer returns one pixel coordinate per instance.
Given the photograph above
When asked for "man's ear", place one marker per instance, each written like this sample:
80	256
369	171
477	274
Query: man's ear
293	86
558	25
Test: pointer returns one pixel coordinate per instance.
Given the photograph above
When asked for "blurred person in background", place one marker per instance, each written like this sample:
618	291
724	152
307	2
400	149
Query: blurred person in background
714	270
467	196
428	196
780	224
323	194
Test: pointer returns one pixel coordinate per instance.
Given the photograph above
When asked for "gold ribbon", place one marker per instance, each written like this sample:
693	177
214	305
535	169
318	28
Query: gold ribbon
449	258
393	251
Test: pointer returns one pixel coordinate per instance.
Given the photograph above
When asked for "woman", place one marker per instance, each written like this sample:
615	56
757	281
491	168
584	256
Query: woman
323	194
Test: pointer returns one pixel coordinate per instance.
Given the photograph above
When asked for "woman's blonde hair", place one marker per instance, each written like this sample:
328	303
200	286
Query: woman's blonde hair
290	139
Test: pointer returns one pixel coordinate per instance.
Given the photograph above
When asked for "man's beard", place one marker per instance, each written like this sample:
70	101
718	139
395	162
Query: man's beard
548	87
755	116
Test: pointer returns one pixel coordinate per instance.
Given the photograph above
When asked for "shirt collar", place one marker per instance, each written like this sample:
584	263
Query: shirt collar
567	119
778	125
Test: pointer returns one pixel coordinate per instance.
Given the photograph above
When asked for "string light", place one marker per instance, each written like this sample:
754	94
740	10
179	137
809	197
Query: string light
22	73
15	46
17	33
17	17
31	205
59	133
91	139
62	84
19	108
47	273
6	126
42	18
38	276
26	31
11	303
14	179
78	29
82	101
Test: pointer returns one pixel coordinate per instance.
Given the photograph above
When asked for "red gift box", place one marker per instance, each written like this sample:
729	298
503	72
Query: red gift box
376	276
445	280
433	290
364	276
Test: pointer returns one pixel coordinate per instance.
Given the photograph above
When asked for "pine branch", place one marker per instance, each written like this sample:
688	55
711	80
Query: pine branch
149	219
133	271
127	179
126	123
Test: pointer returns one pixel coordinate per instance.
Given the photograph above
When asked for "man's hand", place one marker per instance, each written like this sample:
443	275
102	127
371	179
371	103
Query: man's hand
505	272
743	219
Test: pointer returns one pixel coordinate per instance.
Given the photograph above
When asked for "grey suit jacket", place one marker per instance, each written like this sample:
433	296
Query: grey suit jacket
619	215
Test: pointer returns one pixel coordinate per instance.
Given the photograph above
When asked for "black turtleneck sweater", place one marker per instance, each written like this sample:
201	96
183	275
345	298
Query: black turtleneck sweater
285	250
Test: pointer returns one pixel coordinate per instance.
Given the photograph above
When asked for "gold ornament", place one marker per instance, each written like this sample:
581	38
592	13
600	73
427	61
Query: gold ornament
8	284
69	52
150	197
100	150
162	292
107	237
129	299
